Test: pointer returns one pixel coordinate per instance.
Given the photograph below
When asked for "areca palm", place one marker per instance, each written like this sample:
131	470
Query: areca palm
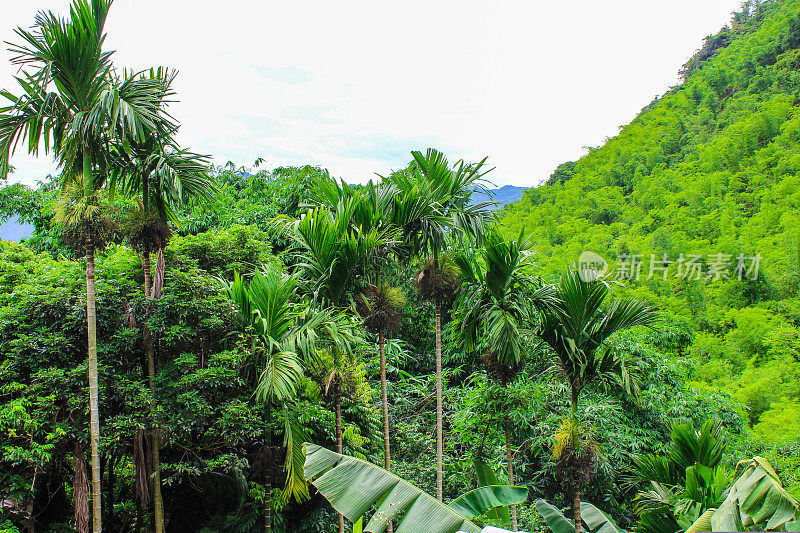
576	330
431	204
73	102
161	176
493	318
379	303
287	333
331	245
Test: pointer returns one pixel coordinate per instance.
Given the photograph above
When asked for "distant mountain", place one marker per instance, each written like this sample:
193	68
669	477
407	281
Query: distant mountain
504	195
13	230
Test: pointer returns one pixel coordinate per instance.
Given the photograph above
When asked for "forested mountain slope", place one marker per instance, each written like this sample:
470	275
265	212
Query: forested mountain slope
708	172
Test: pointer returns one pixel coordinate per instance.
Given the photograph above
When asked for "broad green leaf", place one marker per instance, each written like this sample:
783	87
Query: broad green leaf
596	521
353	486
557	521
480	501
486	476
756	499
703	523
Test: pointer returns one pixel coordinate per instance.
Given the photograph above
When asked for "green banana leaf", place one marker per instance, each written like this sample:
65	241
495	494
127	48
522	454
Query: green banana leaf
554	518
482	500
486	477
756	499
353	486
596	521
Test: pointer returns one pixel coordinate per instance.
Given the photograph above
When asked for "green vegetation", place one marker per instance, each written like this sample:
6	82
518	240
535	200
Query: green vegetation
709	168
280	302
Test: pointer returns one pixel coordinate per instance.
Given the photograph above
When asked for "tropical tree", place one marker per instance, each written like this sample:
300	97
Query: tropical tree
575	330
74	102
286	332
161	177
431	204
684	481
380	305
494	316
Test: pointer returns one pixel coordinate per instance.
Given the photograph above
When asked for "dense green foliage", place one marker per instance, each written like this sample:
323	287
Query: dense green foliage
710	168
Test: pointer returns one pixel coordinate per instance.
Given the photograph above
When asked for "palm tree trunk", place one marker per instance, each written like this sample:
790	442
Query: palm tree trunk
337	399
439	431
268	486
510	466
146	270
387	461
94	403
158	502
576	502
387	452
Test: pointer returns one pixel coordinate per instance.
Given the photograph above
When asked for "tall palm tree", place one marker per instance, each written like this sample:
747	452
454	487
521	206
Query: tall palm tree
161	176
330	246
369	211
576	330
286	334
431	204
73	102
500	299
379	303
380	306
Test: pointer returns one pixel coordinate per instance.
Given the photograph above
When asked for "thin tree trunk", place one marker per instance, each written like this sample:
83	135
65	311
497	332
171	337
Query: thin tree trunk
80	493
387	461
110	500
338	407
510	465
30	508
158	502
576	502
94	402
387	452
439	431
146	270
268	487
158	505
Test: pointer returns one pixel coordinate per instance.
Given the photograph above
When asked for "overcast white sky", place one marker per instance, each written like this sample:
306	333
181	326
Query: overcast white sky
354	86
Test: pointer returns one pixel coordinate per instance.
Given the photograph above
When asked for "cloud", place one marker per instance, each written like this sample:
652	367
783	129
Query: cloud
355	85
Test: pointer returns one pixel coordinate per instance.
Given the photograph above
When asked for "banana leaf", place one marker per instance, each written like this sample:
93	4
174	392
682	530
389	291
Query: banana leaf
353	486
596	521
482	500
486	477
756	499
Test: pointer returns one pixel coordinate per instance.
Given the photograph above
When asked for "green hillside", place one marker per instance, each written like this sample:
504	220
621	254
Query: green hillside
709	168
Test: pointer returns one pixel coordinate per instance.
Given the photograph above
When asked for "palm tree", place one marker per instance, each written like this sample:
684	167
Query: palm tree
72	99
380	307
431	204
286	332
575	329
380	303
161	176
499	300
330	247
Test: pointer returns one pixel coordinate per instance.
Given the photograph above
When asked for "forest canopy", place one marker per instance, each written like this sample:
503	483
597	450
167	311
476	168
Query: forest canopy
230	319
